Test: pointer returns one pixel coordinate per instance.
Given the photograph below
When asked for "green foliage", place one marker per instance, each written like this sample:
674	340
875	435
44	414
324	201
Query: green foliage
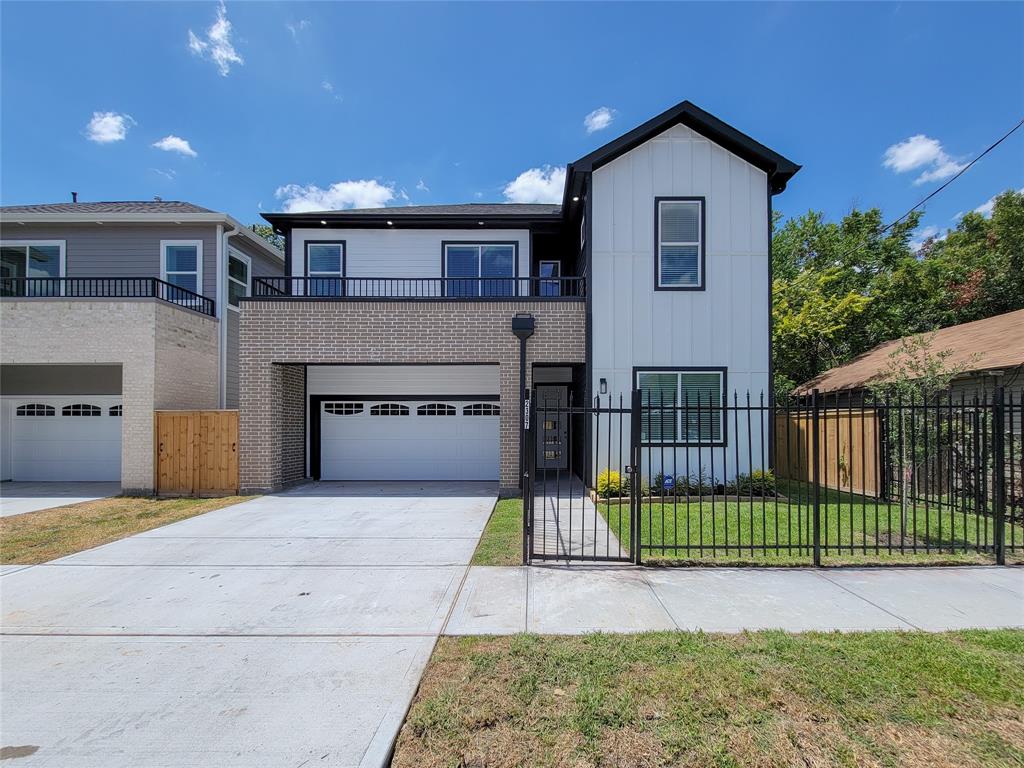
842	288
609	484
760	482
267	233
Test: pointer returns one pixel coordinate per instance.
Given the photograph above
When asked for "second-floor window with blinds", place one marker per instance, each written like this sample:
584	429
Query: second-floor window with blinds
679	263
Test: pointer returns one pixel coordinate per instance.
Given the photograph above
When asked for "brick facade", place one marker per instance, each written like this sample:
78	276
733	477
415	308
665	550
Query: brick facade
277	339
168	359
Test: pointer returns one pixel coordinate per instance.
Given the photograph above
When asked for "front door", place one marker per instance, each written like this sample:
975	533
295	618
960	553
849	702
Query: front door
553	423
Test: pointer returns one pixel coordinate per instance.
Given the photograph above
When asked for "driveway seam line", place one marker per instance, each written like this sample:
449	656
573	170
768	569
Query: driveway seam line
869	602
650	586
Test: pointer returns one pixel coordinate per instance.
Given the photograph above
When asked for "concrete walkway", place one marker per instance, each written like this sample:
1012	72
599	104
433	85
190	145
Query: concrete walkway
577	600
17	498
285	631
566	522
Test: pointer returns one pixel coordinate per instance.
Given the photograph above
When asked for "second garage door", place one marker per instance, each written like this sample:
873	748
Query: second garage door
422	439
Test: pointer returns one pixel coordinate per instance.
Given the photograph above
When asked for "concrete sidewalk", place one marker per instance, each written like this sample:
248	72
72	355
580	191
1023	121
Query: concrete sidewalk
576	600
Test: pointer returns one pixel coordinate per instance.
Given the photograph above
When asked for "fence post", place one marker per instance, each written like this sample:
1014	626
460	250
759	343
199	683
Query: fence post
999	474
636	492
816	474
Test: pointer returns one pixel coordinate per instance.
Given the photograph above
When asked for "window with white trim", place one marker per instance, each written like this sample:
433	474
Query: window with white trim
35	409
481	409
181	264
389	409
81	409
484	269
35	259
325	268
239	277
436	409
343	409
679	234
682	407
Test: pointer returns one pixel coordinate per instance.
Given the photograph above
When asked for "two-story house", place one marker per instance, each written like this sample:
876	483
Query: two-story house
387	351
109	311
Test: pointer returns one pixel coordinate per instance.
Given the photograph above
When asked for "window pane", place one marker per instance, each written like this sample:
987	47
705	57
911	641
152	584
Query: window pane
238	269
679	265
12	264
188	282
462	262
44	261
658	389
181	258
680	222
702	400
235	291
497	261
325	258
550	269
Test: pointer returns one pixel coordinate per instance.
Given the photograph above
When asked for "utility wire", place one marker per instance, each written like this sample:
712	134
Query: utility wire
960	173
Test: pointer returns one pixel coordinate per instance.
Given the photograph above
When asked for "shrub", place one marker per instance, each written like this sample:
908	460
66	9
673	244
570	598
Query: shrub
760	482
609	484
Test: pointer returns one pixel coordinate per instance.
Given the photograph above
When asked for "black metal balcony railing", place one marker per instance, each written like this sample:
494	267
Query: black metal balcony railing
413	288
106	288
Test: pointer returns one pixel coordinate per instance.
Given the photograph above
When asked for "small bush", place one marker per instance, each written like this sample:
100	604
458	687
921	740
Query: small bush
760	482
609	484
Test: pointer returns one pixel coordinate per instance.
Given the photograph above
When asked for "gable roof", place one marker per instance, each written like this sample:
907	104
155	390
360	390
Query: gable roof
130	211
116	206
995	343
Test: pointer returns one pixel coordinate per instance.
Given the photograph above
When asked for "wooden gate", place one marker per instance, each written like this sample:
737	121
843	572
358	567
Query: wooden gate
196	453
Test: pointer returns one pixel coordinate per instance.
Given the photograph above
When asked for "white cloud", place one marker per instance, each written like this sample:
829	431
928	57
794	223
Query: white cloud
922	235
296	27
108	127
361	193
986	208
217	45
168	174
922	152
599	119
422	186
177	144
537	185
328	86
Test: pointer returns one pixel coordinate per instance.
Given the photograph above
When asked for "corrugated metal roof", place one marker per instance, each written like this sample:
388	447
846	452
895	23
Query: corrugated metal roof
995	343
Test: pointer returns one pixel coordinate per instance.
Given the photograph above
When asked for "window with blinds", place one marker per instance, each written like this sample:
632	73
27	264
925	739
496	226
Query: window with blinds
680	237
682	407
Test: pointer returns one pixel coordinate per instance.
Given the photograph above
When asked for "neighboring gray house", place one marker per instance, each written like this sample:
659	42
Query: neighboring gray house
113	310
387	351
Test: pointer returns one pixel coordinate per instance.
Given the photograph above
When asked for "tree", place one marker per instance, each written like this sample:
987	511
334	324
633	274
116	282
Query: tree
267	233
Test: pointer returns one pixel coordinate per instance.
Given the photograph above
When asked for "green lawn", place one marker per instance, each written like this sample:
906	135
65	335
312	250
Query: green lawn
502	540
764	699
731	524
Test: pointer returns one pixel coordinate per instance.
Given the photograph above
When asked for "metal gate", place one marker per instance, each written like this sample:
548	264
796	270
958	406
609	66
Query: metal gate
569	450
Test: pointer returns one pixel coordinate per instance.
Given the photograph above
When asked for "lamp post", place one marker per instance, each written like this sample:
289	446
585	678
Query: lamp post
522	326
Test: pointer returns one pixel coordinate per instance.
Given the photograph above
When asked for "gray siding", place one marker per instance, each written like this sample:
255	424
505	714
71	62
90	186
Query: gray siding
121	250
262	264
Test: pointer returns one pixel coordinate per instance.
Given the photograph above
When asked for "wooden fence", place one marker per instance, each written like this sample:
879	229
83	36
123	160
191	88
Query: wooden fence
196	453
849	449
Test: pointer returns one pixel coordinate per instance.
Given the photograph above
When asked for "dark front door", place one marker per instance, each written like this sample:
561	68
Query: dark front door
552	426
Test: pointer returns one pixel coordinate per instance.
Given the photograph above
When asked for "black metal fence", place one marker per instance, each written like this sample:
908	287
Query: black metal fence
419	287
830	478
106	288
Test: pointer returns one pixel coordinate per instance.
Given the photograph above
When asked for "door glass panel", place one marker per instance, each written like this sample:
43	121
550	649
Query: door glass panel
462	262
497	261
44	261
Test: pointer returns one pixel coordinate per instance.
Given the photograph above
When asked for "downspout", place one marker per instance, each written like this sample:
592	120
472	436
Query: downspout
222	308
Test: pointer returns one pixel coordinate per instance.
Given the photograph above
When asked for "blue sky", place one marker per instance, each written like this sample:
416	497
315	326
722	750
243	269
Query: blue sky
263	106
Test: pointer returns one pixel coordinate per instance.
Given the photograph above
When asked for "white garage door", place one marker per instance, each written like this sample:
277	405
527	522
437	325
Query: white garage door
72	437
434	439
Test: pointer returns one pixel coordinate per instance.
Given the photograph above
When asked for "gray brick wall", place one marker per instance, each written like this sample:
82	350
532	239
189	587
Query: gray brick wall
277	338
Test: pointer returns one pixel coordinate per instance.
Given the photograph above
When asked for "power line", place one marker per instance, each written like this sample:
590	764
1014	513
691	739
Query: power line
959	173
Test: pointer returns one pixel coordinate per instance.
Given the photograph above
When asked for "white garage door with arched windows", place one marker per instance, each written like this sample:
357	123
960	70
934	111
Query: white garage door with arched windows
405	422
65	438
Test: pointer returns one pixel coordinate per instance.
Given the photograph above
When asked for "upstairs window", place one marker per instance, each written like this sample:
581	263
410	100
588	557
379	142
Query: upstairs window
181	264
38	260
682	407
238	277
679	234
485	269
325	268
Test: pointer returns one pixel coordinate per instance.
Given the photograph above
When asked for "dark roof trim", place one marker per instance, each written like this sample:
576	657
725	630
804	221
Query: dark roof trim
379	219
779	169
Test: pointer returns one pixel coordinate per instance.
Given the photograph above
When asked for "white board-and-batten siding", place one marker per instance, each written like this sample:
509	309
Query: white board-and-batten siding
726	324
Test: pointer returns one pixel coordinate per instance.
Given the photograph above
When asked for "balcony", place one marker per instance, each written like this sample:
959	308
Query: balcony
105	288
420	288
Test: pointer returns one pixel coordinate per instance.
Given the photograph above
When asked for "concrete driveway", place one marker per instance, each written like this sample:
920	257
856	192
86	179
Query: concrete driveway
17	498
290	630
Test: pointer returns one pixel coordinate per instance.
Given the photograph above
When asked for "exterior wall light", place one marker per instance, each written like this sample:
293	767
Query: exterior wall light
603	386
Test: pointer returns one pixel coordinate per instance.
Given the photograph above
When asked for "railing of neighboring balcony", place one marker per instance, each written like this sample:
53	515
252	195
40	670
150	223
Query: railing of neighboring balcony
106	288
414	288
